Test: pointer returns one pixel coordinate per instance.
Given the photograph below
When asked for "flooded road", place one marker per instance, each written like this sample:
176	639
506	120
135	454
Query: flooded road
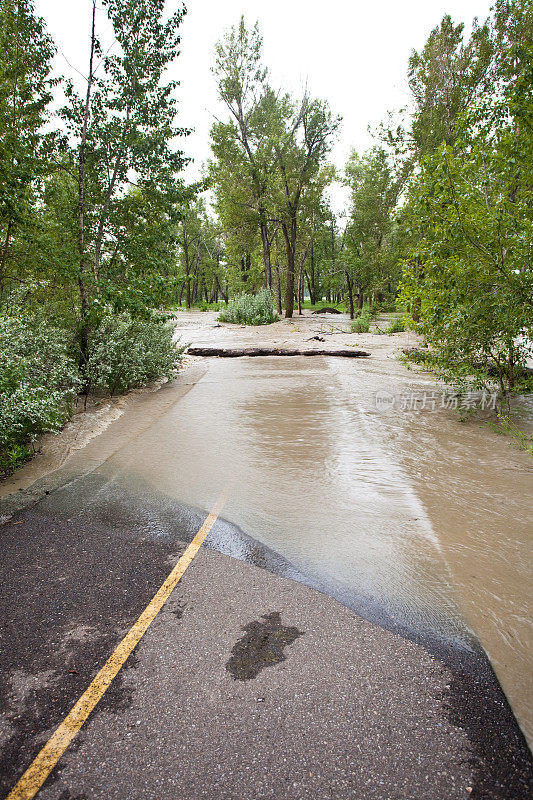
418	521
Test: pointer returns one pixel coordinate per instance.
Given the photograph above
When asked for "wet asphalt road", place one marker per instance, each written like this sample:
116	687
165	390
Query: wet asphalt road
247	685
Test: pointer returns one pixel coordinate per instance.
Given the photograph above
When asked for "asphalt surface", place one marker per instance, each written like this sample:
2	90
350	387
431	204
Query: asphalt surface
247	685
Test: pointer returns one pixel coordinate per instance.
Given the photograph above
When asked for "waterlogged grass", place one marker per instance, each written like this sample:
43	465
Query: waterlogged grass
361	324
396	325
505	426
250	309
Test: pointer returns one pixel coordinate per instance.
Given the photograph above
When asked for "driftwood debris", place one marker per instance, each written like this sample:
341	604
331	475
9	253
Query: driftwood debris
228	352
327	310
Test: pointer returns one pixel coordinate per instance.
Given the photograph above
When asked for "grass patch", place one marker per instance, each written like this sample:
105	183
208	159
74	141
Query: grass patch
361	324
250	309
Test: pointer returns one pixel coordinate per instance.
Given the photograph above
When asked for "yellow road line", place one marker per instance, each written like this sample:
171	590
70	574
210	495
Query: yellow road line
36	774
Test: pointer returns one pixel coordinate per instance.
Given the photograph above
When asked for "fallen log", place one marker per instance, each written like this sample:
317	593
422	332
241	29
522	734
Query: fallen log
327	310
228	352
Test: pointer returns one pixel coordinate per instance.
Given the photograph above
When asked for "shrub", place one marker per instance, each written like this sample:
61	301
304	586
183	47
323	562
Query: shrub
361	324
385	307
250	309
125	353
38	380
397	325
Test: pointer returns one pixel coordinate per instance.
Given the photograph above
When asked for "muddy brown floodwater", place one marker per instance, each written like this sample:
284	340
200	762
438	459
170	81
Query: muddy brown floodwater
416	519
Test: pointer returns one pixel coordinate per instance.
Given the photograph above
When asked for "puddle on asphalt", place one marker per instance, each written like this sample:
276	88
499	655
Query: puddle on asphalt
414	520
262	645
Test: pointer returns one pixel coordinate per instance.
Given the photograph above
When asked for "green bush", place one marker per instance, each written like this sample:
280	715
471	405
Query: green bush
385	307
38	380
125	353
250	309
397	325
361	324
40	376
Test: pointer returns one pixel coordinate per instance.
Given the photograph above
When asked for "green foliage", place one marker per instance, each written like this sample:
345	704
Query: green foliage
201	251
469	279
385	307
39	372
361	324
396	325
38	380
126	125
506	425
269	170
468	275
125	353
443	79
243	156
250	309
26	53
78	237
371	258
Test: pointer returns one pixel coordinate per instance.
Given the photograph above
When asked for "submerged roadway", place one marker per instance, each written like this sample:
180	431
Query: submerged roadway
170	632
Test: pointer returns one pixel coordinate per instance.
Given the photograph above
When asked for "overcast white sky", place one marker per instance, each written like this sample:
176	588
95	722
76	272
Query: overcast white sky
354	54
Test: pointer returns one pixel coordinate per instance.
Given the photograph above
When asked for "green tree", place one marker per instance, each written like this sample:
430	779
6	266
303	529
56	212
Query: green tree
470	211
26	52
444	78
301	135
375	189
202	257
243	157
124	130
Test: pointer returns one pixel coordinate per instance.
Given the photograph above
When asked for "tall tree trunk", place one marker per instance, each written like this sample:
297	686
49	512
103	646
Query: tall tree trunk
307	279
417	304
349	284
187	265
109	194
280	310
266	255
289	232
84	301
224	294
312	281
244	270
3	256
511	367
